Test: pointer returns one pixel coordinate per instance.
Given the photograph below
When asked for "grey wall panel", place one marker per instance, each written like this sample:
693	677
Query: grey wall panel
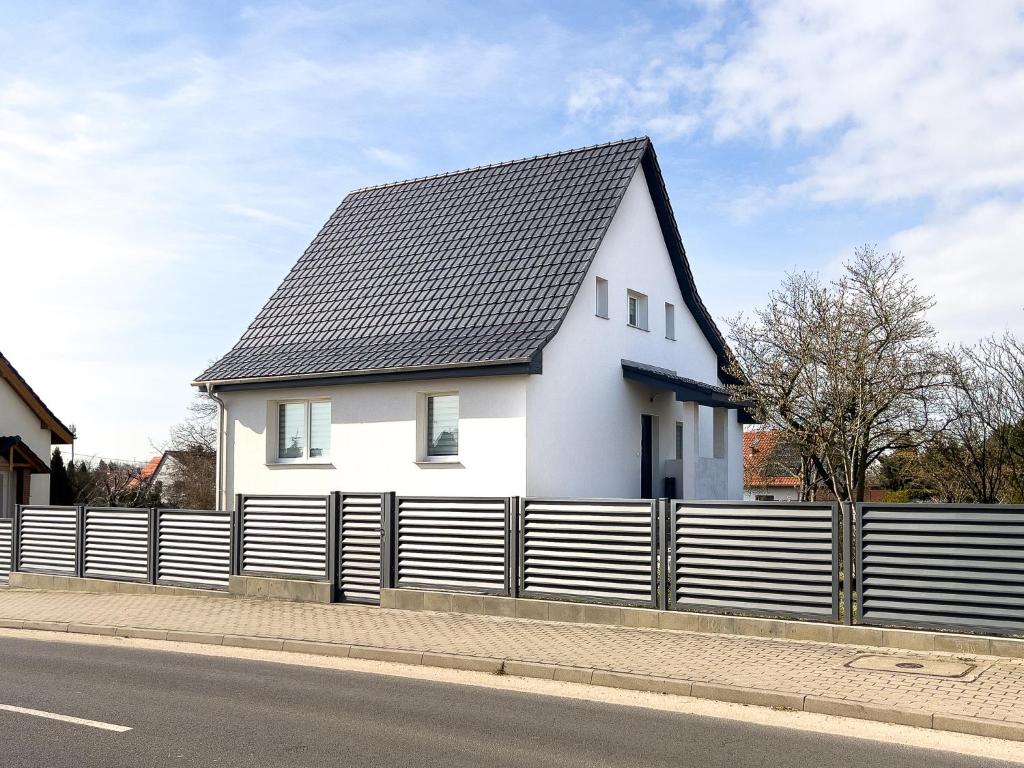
193	548
755	557
361	522
48	540
458	544
6	549
116	543
945	566
596	550
286	536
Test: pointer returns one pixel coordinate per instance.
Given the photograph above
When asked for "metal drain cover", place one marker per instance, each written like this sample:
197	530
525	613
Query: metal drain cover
948	668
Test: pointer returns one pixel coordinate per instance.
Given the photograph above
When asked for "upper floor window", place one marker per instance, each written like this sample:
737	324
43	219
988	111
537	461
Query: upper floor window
670	321
443	425
601	289
636	310
303	431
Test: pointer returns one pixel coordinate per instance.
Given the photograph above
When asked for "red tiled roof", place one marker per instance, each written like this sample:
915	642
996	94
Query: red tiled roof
758	450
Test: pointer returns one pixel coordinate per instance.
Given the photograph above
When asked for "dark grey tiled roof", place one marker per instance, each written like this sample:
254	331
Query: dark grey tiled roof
474	267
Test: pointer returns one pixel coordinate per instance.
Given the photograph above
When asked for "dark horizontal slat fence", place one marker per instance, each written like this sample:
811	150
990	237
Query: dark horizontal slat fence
595	550
6	549
941	566
193	548
286	536
48	540
116	543
763	558
360	529
452	543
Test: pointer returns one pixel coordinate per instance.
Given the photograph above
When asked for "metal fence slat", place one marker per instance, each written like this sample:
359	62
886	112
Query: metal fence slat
590	550
761	558
941	566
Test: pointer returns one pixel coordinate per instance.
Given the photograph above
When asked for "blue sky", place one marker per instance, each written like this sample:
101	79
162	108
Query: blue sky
160	171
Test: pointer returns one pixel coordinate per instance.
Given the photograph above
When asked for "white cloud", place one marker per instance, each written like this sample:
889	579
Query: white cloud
922	98
974	266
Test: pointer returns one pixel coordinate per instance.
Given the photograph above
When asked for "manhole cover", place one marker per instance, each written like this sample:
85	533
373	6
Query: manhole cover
948	668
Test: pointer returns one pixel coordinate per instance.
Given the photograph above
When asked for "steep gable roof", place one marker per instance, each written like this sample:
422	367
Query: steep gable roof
59	434
471	268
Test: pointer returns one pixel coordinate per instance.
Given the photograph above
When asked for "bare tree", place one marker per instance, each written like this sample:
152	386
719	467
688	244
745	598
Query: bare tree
191	453
847	370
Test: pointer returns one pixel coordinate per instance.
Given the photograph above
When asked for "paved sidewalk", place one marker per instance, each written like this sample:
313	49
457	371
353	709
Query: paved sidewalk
786	673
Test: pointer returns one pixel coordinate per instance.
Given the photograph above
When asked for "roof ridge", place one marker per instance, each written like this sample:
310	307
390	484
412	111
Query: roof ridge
486	166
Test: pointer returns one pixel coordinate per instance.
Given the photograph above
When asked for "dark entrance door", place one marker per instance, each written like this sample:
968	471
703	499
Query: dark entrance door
646	457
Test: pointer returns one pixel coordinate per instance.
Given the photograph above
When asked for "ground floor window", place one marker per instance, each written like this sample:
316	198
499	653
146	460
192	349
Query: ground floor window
303	431
6	494
443	425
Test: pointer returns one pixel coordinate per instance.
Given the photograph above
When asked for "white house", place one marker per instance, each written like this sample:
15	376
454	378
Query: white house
27	431
530	327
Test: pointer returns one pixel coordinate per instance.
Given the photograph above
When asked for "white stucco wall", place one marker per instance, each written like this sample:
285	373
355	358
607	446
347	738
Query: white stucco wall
583	435
16	418
374	440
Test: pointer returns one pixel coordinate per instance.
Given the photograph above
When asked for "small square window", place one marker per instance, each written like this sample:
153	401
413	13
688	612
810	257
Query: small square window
670	321
636	310
602	298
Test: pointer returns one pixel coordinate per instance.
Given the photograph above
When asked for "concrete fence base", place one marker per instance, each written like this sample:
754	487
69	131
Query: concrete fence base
553	610
75	584
298	590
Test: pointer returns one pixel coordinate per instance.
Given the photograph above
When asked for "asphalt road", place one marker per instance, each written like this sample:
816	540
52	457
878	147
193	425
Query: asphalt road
187	710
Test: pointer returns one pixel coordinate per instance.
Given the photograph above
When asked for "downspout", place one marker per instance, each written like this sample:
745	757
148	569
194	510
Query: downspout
222	415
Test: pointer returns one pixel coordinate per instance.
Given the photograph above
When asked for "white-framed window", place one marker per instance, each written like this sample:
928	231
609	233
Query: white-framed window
441	426
636	310
302	432
670	321
601	296
679	439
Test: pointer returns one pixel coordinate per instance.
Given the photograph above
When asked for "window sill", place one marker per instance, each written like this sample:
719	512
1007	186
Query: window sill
440	463
300	464
638	328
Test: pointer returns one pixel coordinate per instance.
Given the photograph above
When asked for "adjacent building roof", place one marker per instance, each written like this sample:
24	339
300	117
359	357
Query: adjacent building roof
475	268
763	462
59	433
16	453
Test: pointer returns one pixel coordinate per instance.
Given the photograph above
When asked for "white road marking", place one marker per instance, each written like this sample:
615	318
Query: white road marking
65	718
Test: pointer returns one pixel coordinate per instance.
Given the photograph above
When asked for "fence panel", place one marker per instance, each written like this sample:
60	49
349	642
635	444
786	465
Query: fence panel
6	549
193	548
458	544
763	558
286	536
941	566
116	543
594	550
48	540
360	529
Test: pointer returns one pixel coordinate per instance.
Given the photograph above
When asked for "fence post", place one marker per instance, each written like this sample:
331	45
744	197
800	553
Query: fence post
515	551
80	541
847	561
333	511
16	540
661	525
235	555
153	544
387	541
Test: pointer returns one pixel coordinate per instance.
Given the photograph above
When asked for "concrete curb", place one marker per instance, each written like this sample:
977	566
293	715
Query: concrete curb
519	668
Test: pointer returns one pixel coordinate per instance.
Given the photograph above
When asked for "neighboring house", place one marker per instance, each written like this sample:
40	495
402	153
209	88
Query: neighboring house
28	429
768	473
161	469
530	327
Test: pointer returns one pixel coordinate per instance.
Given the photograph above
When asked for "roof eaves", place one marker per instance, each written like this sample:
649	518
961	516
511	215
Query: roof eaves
59	433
